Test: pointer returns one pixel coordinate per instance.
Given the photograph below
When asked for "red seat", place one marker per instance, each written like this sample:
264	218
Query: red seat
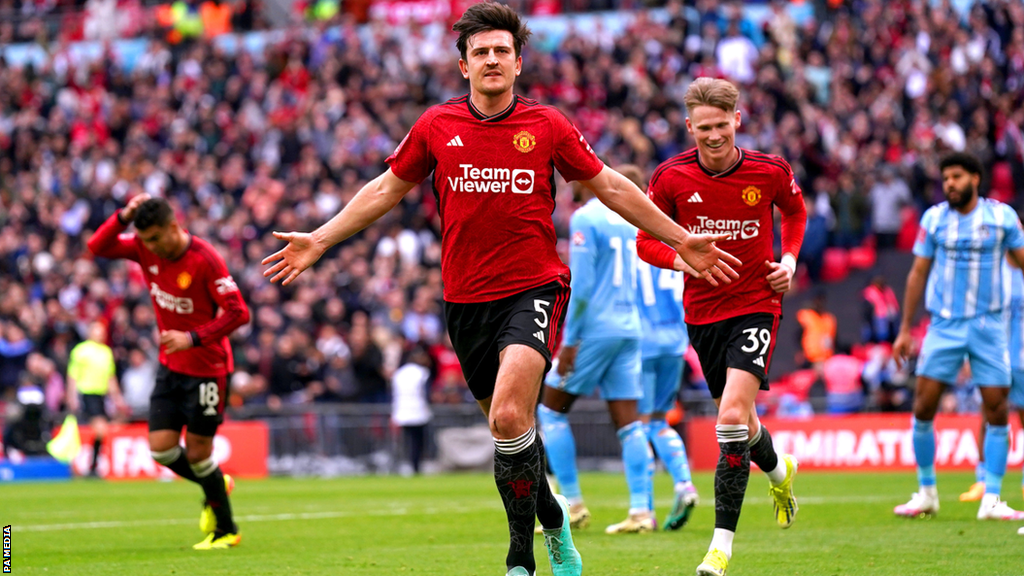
1002	183
863	257
835	264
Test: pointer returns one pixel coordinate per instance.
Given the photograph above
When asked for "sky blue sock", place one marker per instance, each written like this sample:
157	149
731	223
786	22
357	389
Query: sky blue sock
924	451
637	457
979	469
997	444
669	447
560	446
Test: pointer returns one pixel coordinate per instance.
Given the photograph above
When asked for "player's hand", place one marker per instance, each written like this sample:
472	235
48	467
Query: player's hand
72	403
120	405
175	341
680	265
128	212
300	253
901	349
566	360
707	260
780	276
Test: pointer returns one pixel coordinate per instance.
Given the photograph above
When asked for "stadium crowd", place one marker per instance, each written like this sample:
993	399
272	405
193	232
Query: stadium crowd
246	143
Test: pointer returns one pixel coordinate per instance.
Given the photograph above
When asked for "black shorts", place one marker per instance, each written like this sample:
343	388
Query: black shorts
182	400
93	406
481	330
744	342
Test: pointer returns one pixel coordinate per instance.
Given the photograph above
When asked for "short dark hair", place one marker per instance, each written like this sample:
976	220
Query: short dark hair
153	212
965	160
487	16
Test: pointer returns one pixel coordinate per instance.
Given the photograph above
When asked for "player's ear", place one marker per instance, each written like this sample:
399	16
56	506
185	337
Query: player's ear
519	65
738	119
464	68
689	127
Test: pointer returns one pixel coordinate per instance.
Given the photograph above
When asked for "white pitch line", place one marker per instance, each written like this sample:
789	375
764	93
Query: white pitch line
402	511
244	518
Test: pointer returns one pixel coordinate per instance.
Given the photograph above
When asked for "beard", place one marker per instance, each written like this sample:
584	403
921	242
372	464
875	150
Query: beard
966	196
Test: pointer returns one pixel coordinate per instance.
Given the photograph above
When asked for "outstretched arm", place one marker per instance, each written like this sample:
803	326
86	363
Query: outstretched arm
374	200
697	250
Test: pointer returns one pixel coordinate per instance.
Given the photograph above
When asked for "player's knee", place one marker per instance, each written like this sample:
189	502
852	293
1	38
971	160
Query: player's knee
509	422
733	416
198	453
997	415
923	410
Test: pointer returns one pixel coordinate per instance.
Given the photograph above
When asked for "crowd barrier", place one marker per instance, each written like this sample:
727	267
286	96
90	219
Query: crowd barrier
240	447
339	440
864	442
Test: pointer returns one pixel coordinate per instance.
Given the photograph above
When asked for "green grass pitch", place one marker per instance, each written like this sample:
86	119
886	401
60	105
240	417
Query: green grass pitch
454	525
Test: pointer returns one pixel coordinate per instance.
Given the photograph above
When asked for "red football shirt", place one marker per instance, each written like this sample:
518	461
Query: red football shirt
739	202
193	293
494	181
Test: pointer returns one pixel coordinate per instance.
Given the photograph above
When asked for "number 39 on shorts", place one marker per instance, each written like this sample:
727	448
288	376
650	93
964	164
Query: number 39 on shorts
757	338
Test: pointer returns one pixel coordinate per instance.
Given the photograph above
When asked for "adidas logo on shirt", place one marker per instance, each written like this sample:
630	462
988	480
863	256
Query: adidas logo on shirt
455	141
695	198
539	336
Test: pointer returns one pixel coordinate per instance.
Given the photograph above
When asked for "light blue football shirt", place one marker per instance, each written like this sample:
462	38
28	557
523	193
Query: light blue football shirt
603	259
660	301
968	277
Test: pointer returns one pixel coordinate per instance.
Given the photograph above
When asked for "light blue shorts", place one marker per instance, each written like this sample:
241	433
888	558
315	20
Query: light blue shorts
611	365
1017	389
981	340
662	376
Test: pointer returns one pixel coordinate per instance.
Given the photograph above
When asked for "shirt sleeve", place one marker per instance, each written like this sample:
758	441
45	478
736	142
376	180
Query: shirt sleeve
74	363
109	242
1014	233
924	245
790	200
582	263
648	248
573	157
224	291
412	161
108	355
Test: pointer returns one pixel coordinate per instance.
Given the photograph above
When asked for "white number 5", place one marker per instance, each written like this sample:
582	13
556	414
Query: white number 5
538	305
753	335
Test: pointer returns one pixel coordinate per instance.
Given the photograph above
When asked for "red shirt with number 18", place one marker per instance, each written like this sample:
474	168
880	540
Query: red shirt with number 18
738	202
192	293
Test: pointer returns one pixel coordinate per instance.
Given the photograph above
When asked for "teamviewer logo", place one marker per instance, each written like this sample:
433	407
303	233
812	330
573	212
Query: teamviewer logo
522	181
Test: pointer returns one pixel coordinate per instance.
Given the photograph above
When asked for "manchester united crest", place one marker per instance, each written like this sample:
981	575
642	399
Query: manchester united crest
184	280
751	195
524	141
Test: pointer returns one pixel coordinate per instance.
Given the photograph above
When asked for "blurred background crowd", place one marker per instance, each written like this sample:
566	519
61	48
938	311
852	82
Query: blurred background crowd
245	137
